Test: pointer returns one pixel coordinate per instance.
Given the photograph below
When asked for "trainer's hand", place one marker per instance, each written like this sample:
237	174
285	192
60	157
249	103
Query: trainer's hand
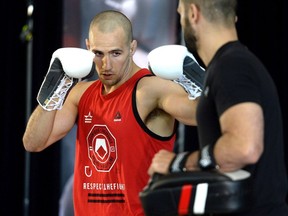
160	162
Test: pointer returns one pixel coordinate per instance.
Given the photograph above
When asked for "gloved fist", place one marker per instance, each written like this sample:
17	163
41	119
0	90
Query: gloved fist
67	67
167	61
174	62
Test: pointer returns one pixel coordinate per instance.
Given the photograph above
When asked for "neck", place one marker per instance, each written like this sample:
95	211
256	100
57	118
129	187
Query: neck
130	70
212	40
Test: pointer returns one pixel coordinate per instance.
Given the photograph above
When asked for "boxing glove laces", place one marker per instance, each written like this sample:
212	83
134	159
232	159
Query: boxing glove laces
68	66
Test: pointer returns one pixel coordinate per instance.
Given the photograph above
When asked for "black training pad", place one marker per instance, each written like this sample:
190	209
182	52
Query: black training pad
161	196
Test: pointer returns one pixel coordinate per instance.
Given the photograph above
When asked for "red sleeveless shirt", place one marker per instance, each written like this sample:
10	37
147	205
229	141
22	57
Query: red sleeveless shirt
114	150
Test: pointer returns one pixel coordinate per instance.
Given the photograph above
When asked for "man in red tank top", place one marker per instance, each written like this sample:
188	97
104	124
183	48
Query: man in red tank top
123	119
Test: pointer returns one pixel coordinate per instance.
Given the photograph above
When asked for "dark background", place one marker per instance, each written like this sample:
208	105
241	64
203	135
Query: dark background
262	26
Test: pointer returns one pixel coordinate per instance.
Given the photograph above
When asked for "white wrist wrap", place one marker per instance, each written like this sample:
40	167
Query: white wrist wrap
178	163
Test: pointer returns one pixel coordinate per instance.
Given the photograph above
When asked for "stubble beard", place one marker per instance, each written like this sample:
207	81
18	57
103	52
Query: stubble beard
189	37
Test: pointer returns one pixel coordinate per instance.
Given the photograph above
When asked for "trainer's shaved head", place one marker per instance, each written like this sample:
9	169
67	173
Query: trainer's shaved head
108	21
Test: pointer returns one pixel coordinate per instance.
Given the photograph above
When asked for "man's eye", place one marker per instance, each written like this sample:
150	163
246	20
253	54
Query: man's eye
98	54
115	54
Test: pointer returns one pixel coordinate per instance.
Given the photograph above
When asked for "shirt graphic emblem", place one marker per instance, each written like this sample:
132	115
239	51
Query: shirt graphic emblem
102	148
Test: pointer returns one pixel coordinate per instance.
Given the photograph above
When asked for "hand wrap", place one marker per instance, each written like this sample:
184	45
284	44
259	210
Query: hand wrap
206	158
178	162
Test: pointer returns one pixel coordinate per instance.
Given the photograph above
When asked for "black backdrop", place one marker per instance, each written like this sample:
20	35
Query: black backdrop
262	26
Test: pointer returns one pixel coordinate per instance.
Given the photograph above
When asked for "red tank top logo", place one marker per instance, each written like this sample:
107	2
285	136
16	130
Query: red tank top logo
88	118
117	117
102	149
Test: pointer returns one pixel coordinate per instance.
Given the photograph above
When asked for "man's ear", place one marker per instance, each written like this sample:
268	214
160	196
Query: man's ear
133	47
87	44
193	13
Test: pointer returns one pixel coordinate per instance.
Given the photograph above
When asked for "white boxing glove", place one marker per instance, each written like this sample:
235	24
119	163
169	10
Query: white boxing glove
167	61
76	62
67	67
174	62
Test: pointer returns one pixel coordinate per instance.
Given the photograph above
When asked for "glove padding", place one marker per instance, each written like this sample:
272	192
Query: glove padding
174	62
67	67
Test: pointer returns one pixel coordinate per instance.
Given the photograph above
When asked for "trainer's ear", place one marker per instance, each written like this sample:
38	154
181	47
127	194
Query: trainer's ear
193	13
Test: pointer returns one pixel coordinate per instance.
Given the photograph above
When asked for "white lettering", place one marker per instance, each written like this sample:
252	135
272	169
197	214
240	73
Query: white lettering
103	186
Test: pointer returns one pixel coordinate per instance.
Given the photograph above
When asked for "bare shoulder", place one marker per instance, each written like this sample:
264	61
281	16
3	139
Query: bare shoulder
78	90
152	84
150	94
151	91
156	86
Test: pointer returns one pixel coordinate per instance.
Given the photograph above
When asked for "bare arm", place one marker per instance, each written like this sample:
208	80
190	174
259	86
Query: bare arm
169	97
178	105
46	127
38	130
52	120
241	142
242	137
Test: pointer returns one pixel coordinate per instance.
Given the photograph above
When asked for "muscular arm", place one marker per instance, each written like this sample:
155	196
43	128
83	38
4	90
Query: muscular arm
46	127
178	105
241	142
38	130
52	120
242	137
157	93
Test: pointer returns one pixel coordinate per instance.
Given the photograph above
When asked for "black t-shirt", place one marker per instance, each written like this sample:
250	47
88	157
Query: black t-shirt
234	76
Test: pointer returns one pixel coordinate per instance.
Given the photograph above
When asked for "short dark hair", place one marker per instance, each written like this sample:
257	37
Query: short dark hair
223	11
107	21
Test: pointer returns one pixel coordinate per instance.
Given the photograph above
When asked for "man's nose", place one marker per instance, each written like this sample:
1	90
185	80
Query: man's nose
106	62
